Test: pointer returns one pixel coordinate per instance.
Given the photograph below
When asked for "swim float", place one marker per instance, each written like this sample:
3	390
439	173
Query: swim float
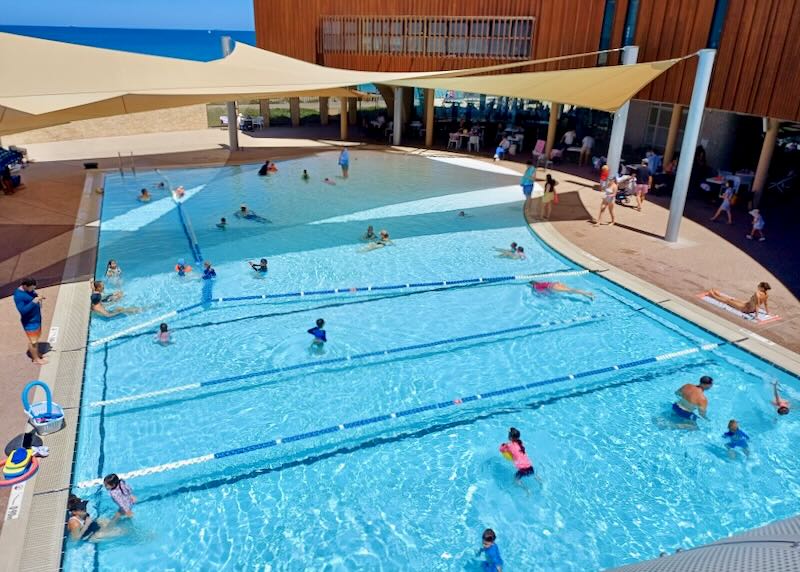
19	466
507	456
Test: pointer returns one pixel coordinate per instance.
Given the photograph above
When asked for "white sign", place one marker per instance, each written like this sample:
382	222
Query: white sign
53	337
15	501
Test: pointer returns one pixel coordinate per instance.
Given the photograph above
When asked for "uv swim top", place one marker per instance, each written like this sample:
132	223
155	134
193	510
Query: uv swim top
209	273
737	438
493	558
30	313
122	496
318	333
96	298
521	460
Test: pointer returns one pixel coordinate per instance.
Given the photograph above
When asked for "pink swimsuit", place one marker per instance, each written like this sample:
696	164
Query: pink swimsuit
521	460
543	286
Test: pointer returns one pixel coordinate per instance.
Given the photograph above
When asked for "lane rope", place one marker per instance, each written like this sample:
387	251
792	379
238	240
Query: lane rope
343	359
328	291
174	465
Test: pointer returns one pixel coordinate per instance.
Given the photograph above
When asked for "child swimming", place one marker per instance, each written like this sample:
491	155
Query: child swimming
121	494
182	268
736	439
493	561
305	176
208	271
113	271
247	214
222	224
519	456
543	287
162	337
319	334
382	241
261	267
779	402
144	196
370	234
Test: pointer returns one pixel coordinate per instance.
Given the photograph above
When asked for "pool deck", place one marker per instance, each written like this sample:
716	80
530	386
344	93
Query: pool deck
49	230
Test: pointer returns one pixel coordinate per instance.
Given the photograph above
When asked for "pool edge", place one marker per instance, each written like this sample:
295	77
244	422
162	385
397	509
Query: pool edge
34	540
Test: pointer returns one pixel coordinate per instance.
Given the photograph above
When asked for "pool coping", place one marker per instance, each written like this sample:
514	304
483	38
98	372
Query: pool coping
738	336
34	540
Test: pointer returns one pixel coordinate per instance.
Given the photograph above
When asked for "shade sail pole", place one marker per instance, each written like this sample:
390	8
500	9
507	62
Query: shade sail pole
630	54
233	123
705	65
397	128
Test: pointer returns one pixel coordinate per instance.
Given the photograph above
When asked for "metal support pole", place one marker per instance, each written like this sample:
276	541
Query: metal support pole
397	128
764	160
705	65
672	134
552	124
429	93
133	165
629	56
233	123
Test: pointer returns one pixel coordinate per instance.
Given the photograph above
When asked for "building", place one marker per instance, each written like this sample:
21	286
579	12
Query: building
755	85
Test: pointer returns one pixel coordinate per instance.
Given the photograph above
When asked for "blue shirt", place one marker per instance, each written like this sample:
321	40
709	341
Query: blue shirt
209	273
30	313
493	559
344	157
318	333
736	439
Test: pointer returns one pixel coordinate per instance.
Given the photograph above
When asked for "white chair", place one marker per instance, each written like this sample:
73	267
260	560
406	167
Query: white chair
474	143
454	141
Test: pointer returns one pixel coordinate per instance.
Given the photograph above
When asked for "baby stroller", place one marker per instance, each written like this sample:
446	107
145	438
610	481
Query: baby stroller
625	189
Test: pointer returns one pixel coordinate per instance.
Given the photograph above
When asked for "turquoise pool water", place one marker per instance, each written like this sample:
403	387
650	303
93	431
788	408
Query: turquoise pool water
413	492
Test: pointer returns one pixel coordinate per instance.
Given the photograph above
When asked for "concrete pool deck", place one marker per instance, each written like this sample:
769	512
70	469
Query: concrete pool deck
50	231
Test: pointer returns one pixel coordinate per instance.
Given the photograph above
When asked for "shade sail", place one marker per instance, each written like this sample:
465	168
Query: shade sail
52	83
604	88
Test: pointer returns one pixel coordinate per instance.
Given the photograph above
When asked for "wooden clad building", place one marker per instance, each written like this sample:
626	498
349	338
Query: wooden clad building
757	70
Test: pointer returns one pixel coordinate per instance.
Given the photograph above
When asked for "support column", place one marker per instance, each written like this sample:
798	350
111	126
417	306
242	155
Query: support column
672	135
343	118
705	65
429	94
323	110
760	179
233	123
263	110
629	56
294	110
397	129
352	110
555	111
482	106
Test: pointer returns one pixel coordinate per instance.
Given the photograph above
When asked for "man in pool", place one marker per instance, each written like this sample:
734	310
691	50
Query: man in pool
692	398
261	267
98	299
507	251
247	214
543	287
781	404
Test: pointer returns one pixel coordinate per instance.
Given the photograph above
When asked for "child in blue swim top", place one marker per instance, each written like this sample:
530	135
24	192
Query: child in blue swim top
261	267
208	271
493	561
736	438
319	334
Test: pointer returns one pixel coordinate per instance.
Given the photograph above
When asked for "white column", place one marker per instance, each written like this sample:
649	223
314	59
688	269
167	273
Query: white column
629	56
705	65
397	128
233	123
764	160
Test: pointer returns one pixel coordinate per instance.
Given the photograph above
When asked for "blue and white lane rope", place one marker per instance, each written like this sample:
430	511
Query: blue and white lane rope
328	291
343	359
395	415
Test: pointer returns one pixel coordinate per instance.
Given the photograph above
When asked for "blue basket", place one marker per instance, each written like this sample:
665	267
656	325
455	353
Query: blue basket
45	416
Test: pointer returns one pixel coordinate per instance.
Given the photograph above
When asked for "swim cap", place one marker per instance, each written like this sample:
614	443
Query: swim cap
706	380
181	262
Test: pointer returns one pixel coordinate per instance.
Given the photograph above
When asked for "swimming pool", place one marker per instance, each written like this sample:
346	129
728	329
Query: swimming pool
381	454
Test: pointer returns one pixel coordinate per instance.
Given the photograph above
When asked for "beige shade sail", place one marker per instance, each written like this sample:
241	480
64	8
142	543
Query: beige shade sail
52	83
604	88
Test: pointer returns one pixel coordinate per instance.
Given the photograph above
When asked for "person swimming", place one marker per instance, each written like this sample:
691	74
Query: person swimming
121	493
113	271
329	181
543	287
178	193
98	306
692	398
383	240
267	168
144	196
223	223
370	234
182	268
162	337
208	271
779	402
247	214
261	267
320	337
736	439
507	251
518	254
519	456
305	176
160	185
80	525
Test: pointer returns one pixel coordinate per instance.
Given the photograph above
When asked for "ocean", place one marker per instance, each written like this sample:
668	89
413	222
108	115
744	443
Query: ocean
200	45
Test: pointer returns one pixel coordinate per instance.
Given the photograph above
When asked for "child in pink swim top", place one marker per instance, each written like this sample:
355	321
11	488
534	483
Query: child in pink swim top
518	455
162	337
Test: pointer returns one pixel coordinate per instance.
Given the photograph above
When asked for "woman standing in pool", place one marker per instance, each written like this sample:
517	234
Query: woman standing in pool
344	161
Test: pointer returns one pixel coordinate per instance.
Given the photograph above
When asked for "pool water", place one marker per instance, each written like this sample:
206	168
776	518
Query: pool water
619	481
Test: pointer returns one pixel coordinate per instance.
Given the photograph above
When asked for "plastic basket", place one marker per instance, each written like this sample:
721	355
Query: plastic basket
45	416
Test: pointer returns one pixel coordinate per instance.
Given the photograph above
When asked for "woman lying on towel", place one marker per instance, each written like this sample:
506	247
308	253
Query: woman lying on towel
751	306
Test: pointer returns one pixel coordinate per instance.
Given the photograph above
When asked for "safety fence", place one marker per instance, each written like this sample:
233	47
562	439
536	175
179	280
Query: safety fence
349	425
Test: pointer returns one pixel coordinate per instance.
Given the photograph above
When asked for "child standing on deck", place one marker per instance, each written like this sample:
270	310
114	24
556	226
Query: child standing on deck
121	494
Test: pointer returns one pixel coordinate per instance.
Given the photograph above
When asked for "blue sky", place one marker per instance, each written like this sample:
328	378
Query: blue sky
190	14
